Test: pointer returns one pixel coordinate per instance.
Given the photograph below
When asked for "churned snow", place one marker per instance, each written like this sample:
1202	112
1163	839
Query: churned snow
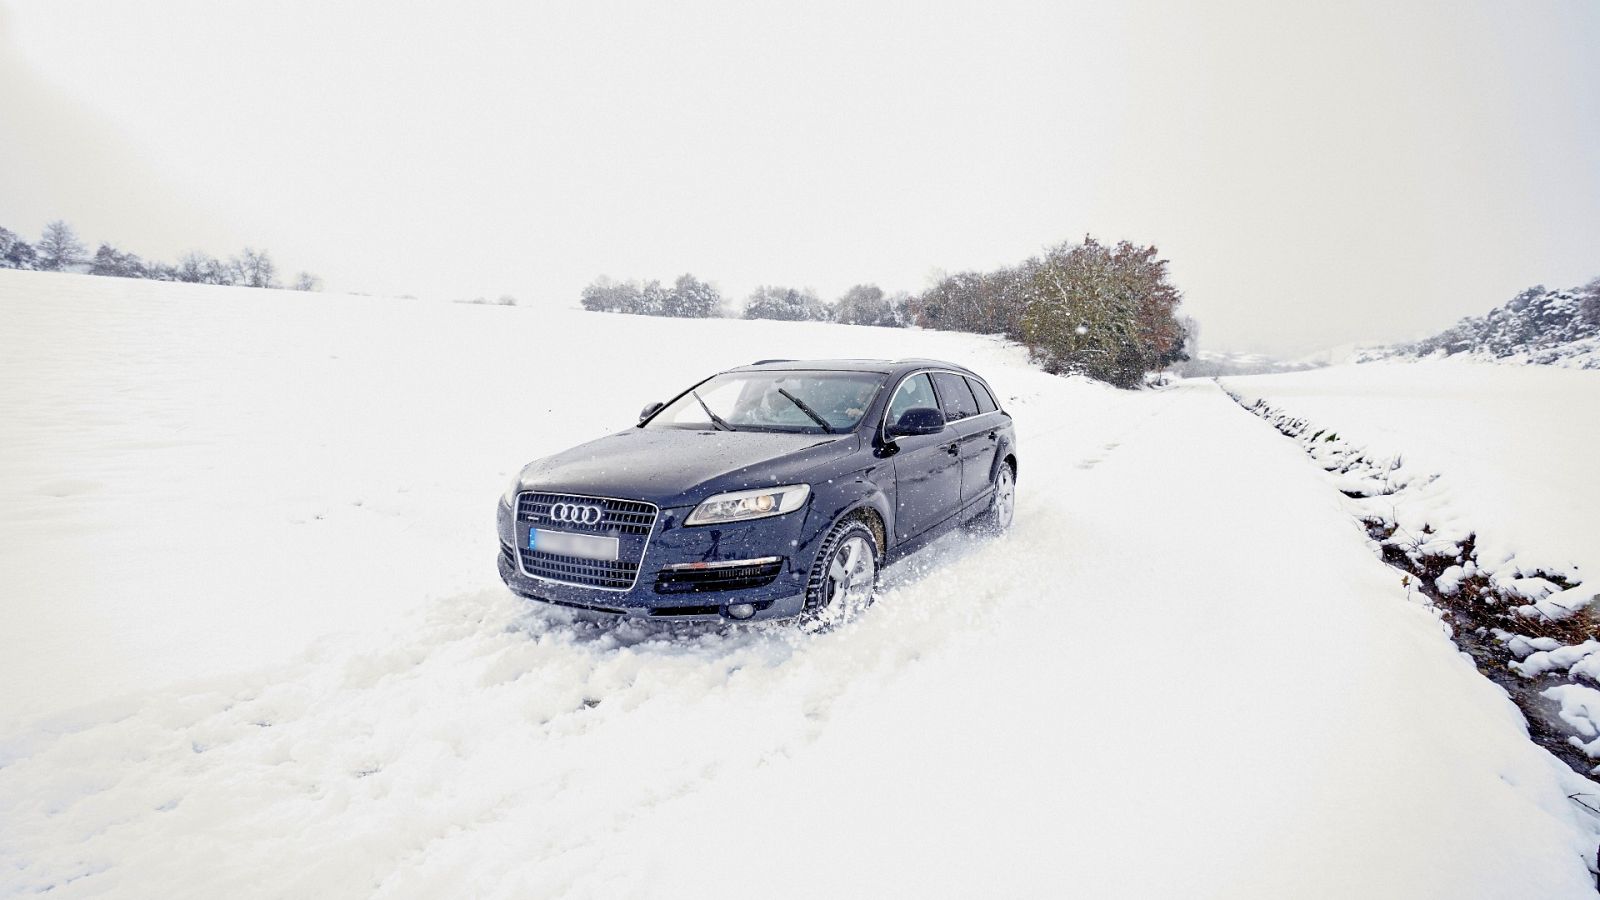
253	642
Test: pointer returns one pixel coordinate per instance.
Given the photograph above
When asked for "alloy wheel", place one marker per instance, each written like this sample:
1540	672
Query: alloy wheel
1005	498
852	573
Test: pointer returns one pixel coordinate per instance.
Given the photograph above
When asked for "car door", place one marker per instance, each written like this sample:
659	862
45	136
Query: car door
980	444
927	467
974	448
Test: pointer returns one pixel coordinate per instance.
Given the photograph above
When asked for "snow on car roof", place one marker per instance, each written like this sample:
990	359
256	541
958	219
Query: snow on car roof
850	365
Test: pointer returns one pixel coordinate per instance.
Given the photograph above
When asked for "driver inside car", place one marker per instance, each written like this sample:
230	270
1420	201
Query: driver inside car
856	403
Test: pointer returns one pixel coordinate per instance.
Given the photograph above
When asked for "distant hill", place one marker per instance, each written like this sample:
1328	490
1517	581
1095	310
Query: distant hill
1538	326
1213	363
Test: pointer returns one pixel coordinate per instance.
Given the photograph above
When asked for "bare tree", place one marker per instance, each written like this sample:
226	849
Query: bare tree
306	281
203	268
59	248
255	268
192	267
865	304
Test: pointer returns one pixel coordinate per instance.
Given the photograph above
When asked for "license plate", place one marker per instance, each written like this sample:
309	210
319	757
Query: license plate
565	543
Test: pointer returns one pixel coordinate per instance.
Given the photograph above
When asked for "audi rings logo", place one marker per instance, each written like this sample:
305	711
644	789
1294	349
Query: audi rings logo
576	513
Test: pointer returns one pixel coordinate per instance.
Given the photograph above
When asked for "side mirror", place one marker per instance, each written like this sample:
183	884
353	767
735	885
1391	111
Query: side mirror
917	420
649	411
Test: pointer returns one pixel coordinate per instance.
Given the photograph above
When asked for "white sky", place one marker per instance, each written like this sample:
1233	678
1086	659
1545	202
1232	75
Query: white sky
1317	173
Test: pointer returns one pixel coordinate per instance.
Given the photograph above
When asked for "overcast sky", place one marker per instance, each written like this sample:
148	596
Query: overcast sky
1317	173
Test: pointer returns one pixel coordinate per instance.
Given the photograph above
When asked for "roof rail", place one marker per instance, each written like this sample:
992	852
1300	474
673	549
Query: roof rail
762	362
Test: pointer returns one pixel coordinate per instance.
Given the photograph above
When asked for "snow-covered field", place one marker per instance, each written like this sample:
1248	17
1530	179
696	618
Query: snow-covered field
1517	447
253	643
1502	455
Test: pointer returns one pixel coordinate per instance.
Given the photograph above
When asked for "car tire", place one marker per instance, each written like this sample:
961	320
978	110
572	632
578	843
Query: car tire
1002	503
844	576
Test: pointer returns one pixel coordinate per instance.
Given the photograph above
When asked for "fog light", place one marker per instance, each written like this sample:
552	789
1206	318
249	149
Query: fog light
741	610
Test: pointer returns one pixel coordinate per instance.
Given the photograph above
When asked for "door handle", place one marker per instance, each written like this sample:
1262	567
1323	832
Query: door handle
953	449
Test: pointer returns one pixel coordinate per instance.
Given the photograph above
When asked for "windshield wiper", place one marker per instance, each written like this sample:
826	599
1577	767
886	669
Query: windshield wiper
821	422
715	419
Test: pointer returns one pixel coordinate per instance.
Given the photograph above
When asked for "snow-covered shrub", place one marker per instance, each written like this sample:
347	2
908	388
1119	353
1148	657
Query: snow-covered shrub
785	304
16	253
866	304
1539	325
688	298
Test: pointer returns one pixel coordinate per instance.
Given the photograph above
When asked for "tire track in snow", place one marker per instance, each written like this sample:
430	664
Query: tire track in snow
358	734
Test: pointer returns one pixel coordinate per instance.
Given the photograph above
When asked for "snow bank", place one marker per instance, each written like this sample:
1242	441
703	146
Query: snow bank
1443	456
1515	446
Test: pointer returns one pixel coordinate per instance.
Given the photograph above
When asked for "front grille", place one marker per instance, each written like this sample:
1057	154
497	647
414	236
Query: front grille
617	516
600	573
721	578
629	521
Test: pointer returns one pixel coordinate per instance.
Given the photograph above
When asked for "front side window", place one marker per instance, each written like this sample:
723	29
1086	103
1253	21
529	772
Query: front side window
955	396
774	401
914	392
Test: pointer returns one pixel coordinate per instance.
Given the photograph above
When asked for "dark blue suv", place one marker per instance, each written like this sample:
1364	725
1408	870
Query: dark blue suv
772	490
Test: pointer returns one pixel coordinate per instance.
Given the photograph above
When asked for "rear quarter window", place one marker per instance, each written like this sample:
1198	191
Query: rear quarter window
985	399
954	396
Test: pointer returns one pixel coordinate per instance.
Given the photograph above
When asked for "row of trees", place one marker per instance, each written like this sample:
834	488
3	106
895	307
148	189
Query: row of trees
1106	311
691	298
688	298
59	250
863	304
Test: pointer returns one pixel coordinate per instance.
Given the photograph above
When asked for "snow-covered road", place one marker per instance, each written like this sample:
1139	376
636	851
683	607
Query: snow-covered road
1183	672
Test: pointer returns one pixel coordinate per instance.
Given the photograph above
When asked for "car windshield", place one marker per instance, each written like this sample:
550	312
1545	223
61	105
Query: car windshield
811	402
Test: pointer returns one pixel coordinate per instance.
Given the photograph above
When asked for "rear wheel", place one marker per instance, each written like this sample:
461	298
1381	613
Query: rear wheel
1002	503
845	575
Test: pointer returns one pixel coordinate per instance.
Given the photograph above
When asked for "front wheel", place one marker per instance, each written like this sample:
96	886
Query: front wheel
845	574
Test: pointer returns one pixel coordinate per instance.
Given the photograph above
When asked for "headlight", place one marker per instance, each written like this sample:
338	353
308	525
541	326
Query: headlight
757	504
509	498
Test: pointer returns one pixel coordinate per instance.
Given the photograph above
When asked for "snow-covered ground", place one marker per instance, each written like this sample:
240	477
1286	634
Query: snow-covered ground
1516	449
254	645
1505	456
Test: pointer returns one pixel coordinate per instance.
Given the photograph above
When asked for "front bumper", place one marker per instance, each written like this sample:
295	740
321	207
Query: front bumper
670	545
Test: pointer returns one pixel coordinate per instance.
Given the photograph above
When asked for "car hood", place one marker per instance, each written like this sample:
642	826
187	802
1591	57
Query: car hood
672	467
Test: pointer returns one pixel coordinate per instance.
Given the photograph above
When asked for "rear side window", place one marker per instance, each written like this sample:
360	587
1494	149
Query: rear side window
986	402
955	396
913	392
